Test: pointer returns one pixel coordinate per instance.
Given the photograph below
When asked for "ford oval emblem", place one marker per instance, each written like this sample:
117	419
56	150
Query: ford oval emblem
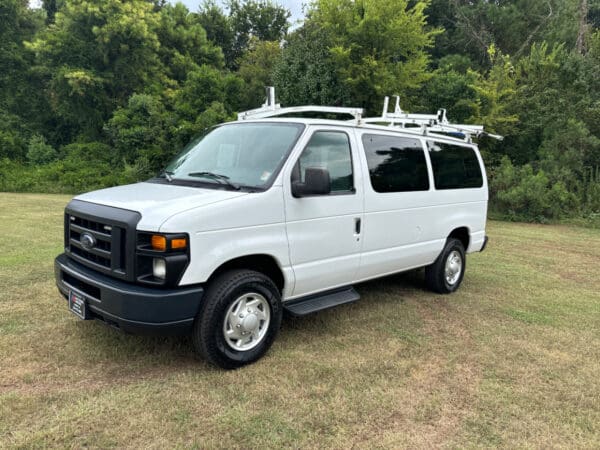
87	241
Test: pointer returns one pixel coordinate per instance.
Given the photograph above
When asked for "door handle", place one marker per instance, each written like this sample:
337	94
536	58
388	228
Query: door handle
357	224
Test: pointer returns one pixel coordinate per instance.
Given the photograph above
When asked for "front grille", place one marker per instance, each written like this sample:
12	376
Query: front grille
96	259
101	237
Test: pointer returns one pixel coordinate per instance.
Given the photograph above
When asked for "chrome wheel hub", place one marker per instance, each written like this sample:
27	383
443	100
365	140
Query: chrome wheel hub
453	267
246	322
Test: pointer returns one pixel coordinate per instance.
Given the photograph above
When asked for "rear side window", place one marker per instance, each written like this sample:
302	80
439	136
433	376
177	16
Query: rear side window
454	167
396	164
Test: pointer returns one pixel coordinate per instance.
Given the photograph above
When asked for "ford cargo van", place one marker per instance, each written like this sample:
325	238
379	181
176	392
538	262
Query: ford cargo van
268	214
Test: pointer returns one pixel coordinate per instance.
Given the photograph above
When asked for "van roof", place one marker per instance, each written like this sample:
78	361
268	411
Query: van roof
417	132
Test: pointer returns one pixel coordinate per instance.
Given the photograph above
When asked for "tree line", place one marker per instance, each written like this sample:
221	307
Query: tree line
95	93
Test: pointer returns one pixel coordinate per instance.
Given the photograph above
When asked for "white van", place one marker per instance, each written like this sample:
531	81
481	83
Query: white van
268	214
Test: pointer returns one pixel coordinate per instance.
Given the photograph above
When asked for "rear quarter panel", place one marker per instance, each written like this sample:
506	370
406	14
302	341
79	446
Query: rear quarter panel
456	208
405	230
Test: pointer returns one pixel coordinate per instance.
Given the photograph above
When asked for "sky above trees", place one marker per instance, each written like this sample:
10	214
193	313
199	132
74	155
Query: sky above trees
295	6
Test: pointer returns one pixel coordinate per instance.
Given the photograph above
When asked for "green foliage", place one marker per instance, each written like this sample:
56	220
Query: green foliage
39	152
494	89
306	73
141	130
96	54
183	43
18	23
102	92
247	20
188	128
71	175
511	26
569	151
200	87
452	87
51	7
218	27
261	19
379	46
256	69
13	136
520	193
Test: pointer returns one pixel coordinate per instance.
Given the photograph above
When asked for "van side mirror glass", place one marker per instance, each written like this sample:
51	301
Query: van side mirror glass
316	182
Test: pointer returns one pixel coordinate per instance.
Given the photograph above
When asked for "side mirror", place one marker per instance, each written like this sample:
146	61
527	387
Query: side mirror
316	182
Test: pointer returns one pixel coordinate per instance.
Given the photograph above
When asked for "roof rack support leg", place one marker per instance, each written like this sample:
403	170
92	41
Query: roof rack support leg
270	101
398	110
386	105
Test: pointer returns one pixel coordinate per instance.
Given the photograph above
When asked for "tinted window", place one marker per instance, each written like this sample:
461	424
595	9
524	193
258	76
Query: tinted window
396	164
328	150
454	167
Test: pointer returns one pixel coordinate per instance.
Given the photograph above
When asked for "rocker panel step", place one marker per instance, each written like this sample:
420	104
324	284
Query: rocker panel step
313	303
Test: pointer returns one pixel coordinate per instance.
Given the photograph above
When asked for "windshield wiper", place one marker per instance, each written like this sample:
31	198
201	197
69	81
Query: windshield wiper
223	179
167	174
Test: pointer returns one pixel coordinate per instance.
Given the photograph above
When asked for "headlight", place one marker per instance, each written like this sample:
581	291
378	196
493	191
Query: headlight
161	258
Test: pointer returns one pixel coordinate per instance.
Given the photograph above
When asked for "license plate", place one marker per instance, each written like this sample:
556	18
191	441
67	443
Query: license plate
77	305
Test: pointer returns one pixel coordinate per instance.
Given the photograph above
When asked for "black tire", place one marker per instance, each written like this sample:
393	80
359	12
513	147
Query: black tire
208	336
435	274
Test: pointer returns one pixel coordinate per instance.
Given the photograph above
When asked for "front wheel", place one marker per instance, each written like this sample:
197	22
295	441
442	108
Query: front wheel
447	271
239	319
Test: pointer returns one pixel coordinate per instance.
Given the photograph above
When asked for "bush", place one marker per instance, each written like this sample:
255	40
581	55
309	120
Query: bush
13	136
39	152
520	193
85	167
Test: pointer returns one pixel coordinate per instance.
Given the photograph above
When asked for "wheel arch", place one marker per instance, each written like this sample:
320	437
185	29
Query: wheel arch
263	263
463	235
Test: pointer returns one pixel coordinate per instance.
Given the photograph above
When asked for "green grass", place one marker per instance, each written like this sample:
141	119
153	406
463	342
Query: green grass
511	360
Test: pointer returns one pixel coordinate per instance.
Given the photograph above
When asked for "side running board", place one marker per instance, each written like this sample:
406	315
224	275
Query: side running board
313	303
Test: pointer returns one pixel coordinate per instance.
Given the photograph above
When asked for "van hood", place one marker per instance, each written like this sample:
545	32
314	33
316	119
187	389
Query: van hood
157	202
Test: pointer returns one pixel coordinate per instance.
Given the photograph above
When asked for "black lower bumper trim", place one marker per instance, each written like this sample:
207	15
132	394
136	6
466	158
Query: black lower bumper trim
128	307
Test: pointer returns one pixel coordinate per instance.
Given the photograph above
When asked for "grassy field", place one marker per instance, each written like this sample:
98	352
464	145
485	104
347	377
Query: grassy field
511	360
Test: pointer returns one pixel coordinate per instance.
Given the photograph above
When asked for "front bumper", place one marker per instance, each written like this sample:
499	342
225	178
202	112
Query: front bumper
131	308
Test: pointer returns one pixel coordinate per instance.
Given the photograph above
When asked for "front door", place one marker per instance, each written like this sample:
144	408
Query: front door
324	231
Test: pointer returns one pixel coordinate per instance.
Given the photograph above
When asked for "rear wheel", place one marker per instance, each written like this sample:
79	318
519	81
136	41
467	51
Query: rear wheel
239	319
447	271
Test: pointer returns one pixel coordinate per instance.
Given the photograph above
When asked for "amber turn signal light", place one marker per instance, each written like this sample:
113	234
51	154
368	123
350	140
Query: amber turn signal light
178	243
159	243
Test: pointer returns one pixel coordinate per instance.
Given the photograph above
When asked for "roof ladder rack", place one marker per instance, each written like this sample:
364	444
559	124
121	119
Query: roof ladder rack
272	109
436	123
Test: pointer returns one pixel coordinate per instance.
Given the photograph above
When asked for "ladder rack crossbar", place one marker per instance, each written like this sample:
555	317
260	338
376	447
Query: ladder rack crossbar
272	109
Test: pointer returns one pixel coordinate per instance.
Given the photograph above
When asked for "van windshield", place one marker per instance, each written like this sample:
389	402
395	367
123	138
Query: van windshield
237	155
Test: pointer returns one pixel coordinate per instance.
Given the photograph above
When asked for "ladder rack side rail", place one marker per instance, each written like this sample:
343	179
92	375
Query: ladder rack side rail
423	120
432	126
254	112
262	113
473	130
405	117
